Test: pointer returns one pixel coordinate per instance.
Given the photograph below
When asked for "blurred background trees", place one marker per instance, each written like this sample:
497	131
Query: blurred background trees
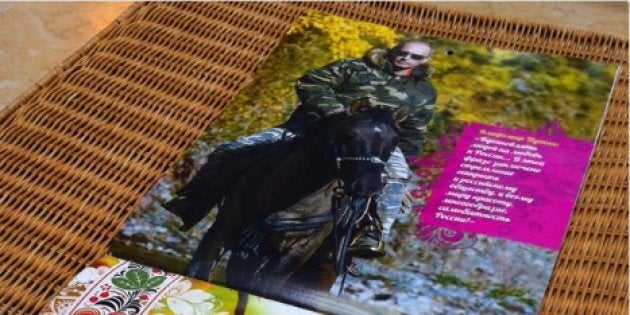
313	41
474	83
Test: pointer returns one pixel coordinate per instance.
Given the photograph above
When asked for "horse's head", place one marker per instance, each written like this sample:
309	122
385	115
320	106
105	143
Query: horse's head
362	147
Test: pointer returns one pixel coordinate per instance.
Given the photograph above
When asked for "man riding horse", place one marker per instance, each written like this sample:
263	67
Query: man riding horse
396	78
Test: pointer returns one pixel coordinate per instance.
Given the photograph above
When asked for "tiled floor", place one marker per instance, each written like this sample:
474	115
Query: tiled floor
36	37
595	16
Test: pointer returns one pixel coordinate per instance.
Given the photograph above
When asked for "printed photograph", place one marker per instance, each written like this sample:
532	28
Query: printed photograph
373	167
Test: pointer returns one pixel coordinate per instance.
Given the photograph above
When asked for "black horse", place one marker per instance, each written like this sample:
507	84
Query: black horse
283	218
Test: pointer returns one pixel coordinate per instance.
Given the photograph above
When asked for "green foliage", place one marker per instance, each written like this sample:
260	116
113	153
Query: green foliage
474	83
521	90
313	41
501	291
446	279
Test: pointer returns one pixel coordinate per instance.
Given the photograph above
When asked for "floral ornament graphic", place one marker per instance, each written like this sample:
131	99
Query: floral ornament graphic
137	279
69	296
182	299
129	292
112	286
427	170
440	237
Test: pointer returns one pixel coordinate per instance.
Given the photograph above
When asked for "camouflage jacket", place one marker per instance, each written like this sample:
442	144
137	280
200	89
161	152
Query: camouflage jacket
337	84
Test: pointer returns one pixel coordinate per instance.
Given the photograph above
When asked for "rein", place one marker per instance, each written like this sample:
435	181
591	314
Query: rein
371	159
345	213
356	215
252	236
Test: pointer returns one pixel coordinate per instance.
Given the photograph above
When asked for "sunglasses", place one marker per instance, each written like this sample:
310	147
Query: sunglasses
401	53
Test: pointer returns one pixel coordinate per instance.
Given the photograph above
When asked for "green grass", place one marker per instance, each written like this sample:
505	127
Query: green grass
501	291
445	279
498	292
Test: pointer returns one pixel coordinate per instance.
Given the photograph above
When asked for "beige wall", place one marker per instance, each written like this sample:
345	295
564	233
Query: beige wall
36	37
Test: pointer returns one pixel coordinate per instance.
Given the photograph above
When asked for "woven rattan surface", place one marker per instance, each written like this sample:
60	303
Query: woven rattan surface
82	147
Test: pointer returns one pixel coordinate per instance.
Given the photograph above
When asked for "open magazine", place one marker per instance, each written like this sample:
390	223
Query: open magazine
369	170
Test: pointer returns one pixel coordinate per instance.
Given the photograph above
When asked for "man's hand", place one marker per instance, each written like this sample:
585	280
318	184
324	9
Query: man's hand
336	111
361	104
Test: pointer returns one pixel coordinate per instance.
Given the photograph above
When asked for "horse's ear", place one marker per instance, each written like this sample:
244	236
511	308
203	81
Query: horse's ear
400	114
360	104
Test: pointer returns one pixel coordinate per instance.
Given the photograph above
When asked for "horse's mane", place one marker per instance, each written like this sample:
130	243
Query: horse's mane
378	114
316	132
279	149
331	123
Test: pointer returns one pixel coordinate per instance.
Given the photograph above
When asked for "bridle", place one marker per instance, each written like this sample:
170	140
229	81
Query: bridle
371	159
353	217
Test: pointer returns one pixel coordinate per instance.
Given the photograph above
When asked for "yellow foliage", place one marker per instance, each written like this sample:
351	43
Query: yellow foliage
345	38
314	40
475	83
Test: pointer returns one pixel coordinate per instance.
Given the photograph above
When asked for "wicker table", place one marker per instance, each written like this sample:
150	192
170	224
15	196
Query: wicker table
83	146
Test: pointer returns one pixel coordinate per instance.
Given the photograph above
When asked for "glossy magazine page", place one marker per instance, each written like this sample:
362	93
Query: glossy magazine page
381	170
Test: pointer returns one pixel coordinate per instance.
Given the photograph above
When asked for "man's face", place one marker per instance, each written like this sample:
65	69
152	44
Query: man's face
411	55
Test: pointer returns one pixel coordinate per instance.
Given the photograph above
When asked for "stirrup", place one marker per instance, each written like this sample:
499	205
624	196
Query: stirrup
367	244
